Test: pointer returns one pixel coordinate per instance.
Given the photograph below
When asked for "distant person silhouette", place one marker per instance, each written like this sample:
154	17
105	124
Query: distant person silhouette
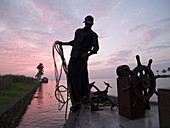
85	44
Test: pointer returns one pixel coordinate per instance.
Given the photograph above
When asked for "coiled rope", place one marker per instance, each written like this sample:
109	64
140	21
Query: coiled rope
60	88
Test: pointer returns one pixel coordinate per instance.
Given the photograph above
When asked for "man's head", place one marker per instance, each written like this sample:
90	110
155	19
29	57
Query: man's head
88	20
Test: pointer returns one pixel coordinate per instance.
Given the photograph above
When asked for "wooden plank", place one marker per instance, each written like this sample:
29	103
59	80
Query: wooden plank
80	118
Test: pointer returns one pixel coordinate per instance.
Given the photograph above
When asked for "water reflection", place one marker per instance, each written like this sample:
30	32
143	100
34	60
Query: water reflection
43	111
39	97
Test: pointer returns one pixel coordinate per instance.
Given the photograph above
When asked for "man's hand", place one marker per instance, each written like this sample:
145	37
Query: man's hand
85	56
58	42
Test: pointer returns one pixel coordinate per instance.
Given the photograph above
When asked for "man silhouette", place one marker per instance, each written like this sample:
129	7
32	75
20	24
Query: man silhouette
85	44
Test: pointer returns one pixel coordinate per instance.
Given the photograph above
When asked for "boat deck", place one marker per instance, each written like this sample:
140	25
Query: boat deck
107	118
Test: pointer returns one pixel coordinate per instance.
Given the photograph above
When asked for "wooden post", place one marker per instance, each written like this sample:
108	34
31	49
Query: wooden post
126	100
164	107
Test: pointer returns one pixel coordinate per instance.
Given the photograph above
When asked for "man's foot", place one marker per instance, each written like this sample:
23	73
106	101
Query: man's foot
86	99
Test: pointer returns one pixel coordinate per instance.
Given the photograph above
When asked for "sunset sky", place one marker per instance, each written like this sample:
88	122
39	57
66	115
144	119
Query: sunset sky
125	28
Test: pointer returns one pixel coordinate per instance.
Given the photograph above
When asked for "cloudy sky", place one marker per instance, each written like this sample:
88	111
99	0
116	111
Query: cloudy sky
125	28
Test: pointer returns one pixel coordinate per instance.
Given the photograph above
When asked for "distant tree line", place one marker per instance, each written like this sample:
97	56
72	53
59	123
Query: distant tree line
164	70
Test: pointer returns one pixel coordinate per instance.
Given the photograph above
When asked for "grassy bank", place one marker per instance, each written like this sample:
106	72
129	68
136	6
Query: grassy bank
13	86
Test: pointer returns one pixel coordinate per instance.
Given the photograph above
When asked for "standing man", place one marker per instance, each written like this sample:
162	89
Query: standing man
85	44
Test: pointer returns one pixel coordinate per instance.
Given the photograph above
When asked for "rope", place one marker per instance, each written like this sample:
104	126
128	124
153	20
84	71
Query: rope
58	92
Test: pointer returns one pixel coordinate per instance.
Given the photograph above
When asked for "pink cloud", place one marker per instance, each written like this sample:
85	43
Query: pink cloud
123	21
127	32
151	35
151	26
136	28
147	36
23	60
119	57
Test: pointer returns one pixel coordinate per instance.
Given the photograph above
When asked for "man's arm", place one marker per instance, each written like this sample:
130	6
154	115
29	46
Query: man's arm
94	50
64	43
95	45
70	42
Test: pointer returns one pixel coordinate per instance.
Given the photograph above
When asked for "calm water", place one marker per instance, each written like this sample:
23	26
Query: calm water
43	111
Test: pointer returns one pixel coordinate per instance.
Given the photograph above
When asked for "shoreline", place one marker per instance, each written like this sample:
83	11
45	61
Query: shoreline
162	76
11	112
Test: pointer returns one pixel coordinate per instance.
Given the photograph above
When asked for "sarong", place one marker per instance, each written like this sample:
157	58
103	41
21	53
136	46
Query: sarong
78	78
